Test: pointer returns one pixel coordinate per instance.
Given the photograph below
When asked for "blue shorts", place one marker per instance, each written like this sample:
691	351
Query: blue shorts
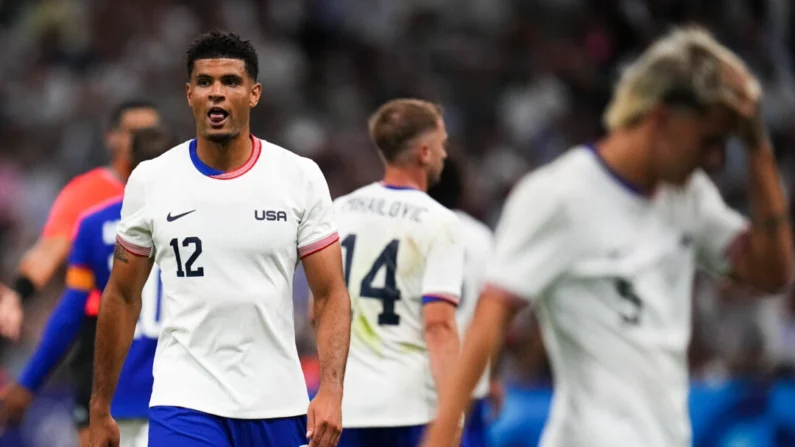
181	427
474	434
409	436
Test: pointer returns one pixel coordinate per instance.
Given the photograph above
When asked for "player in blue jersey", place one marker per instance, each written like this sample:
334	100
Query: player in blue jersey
89	268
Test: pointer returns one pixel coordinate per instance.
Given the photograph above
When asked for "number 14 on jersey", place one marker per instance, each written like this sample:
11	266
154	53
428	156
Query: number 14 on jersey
389	293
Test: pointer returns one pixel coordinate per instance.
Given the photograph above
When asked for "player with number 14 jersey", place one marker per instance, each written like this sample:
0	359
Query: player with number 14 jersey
403	262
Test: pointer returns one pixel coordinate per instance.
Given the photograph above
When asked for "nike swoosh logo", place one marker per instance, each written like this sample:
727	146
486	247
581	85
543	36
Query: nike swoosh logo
171	218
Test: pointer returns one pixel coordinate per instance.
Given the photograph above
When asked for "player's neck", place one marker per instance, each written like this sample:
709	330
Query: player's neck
625	154
120	169
404	178
225	156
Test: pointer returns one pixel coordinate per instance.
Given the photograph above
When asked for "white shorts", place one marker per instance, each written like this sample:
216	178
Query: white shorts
134	433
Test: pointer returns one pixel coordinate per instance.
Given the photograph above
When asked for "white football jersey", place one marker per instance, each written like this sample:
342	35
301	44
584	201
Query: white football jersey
227	245
401	248
478	240
610	272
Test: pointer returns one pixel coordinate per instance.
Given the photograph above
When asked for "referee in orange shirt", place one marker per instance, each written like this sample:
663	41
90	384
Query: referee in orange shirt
41	261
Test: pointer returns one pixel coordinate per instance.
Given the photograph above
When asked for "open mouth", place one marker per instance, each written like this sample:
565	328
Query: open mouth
217	116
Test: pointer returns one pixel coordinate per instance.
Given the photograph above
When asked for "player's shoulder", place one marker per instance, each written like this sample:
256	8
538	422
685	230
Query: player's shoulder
360	191
473	228
89	180
699	183
438	210
97	215
288	161
167	161
564	178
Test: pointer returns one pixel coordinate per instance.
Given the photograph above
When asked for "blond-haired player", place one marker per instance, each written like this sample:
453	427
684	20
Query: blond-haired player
604	242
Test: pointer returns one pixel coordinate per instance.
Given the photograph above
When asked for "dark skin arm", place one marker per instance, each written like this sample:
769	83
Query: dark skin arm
332	310
118	315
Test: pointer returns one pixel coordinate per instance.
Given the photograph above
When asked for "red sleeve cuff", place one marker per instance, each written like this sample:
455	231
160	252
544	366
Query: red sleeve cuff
318	245
133	248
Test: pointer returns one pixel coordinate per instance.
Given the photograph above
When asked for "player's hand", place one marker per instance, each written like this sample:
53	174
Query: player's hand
433	439
11	313
496	396
744	97
16	400
324	418
103	431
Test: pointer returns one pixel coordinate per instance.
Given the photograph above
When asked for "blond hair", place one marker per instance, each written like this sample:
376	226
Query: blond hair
687	62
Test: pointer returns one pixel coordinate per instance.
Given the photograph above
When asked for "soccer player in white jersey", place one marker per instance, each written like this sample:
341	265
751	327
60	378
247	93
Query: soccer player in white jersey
403	267
605	240
478	241
227	217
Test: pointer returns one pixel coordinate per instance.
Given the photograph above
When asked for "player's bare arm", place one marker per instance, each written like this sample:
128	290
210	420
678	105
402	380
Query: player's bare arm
332	308
764	259
43	259
441	335
495	310
118	314
37	267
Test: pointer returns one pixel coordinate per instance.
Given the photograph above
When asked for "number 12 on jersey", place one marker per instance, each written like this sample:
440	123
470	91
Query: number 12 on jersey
389	293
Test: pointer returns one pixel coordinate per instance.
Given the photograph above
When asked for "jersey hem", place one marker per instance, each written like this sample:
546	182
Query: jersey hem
386	423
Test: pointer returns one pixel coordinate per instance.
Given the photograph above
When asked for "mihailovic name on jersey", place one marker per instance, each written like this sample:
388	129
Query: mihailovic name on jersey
228	245
611	272
401	248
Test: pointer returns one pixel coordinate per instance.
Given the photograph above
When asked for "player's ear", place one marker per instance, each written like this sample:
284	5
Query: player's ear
256	92
188	93
658	116
424	152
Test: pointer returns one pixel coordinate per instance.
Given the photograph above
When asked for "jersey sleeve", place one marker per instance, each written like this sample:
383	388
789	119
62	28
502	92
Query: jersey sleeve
317	229
135	228
719	229
65	212
444	264
533	243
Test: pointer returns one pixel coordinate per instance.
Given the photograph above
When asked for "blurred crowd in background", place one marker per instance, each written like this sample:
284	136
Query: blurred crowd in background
520	81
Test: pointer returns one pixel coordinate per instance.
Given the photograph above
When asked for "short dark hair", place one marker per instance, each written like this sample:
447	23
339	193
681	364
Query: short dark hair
150	142
399	121
449	189
219	44
121	108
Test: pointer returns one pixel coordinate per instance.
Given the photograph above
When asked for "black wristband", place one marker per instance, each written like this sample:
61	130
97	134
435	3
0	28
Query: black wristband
24	287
